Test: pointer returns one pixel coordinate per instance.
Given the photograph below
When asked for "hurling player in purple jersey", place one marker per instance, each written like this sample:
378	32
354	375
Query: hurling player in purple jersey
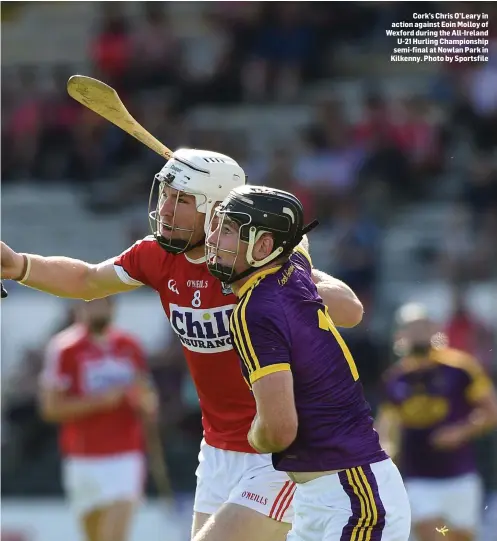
437	399
311	411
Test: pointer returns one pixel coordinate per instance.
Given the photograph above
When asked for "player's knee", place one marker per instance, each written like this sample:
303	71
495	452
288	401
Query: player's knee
461	535
116	521
429	530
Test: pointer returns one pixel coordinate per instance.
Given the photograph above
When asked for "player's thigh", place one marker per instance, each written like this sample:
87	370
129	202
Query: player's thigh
234	522
217	473
367	502
95	484
263	489
115	521
90	522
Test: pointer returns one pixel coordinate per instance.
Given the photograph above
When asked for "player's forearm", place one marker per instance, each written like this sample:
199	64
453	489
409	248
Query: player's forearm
61	276
479	422
69	409
344	307
264	440
257	439
387	425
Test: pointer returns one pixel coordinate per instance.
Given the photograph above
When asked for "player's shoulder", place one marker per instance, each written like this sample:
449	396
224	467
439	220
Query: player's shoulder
261	302
394	372
301	257
457	360
147	244
124	338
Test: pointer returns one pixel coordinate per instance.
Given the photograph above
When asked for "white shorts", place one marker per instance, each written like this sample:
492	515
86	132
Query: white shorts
367	502
243	478
457	500
95	482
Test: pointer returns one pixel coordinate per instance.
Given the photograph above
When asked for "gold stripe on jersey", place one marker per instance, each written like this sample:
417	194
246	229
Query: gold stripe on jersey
243	336
238	338
246	332
326	323
241	333
255	279
266	370
304	252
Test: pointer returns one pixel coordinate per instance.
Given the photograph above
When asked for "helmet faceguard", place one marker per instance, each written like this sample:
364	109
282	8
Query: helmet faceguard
205	175
172	245
220	220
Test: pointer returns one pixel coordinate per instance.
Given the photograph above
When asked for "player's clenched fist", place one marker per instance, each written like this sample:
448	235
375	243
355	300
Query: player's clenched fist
12	263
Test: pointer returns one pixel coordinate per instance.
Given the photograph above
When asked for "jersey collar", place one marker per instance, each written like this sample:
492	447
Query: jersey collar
202	259
254	278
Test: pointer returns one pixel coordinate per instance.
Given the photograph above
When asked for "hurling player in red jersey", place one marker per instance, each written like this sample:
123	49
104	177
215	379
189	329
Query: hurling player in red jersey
234	483
94	385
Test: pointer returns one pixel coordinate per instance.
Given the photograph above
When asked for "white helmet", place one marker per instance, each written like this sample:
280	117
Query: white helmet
208	176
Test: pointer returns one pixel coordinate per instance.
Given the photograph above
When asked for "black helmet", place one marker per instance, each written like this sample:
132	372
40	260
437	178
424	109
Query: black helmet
257	210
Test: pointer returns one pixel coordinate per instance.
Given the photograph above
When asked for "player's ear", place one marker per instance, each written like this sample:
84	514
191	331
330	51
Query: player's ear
266	245
262	247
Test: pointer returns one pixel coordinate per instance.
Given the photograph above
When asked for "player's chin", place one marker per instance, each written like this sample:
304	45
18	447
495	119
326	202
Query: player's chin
169	233
214	259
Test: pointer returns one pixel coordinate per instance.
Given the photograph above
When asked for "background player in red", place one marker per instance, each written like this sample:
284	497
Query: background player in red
94	385
238	485
437	400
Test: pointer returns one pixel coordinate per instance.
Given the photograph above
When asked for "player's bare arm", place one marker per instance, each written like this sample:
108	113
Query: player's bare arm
387	424
57	407
144	398
275	426
344	307
62	276
481	420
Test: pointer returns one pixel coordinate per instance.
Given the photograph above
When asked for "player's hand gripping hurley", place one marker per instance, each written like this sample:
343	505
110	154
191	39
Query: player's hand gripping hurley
104	100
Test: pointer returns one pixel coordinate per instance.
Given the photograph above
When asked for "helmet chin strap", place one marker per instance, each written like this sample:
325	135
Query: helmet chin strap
178	247
306	229
201	242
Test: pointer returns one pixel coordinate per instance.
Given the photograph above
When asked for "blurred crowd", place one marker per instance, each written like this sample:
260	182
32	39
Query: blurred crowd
351	173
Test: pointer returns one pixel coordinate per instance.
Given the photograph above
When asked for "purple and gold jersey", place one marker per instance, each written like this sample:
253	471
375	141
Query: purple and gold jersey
426	399
280	323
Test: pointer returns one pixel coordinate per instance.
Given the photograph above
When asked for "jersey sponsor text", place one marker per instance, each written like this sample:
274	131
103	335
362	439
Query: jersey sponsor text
204	331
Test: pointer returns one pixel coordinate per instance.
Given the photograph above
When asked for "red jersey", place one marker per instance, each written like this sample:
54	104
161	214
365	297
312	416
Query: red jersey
78	364
199	311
